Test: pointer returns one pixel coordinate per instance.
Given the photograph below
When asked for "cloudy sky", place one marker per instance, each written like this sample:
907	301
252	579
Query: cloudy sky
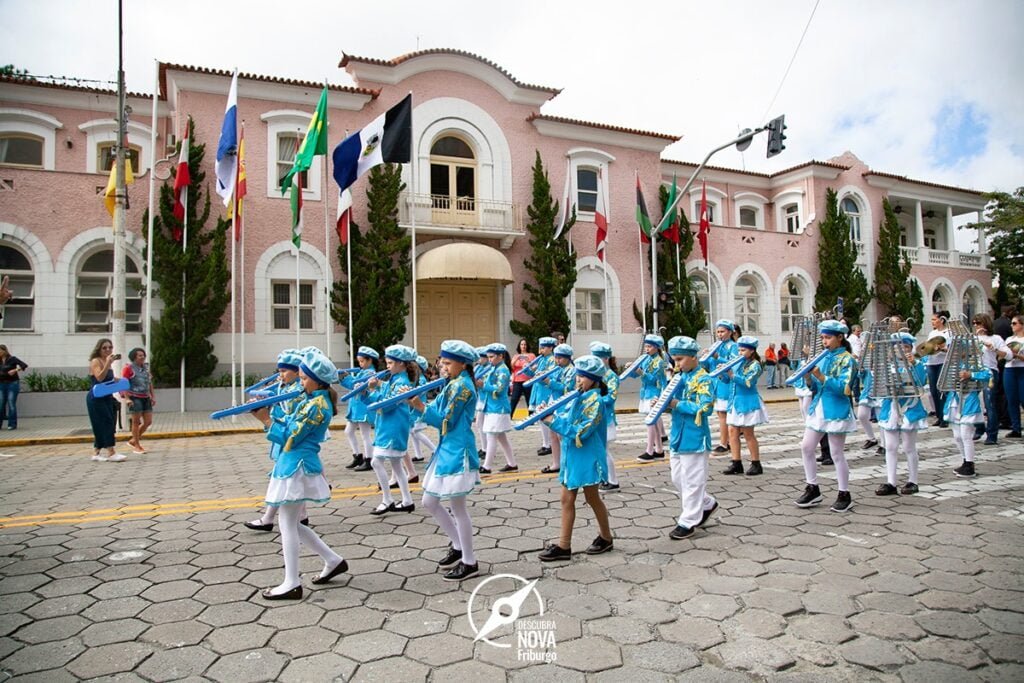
931	89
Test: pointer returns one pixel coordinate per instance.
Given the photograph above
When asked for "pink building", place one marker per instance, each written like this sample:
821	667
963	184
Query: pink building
476	130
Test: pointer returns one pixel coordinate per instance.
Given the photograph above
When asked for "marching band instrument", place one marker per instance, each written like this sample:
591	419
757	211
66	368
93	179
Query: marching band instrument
112	387
541	414
930	347
895	377
667	394
255	405
541	377
533	363
631	367
345	371
964	353
711	350
361	387
806	368
262	383
406	395
735	362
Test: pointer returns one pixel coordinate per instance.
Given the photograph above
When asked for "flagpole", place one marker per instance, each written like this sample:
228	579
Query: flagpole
640	253
148	338
184	284
241	284
348	266
412	212
654	279
234	301
328	278
604	261
117	304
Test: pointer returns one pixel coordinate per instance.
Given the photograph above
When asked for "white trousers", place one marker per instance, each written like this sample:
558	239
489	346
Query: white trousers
690	476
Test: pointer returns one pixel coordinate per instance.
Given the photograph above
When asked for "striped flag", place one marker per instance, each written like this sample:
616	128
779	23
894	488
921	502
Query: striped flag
227	146
240	188
182	179
387	139
705	224
643	218
344	215
601	219
296	201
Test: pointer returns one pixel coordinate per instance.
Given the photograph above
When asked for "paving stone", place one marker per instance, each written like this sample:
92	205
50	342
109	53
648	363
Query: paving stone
759	623
47	630
225	592
622	630
255	665
43	656
109	659
781	602
118	608
239	637
716	607
755	655
301	642
1002	673
177	634
172	590
670	658
887	626
391	668
294	615
952	624
821	628
873	653
700	633
1003	648
589	654
650	611
439	649
816	654
322	667
9	623
395	601
417	623
371	645
174	664
230	613
1003	621
827	602
712	674
930	672
951	651
175	610
583	607
467	671
47	588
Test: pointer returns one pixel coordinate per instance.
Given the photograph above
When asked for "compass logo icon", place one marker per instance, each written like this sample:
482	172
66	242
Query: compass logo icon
506	609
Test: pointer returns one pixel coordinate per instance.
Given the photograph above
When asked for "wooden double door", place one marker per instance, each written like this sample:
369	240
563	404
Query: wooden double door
455	310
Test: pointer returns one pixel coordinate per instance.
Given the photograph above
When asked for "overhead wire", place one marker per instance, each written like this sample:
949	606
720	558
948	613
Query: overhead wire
791	60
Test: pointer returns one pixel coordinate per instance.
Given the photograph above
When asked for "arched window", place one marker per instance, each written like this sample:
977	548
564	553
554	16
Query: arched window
94	291
18	311
747	305
21	149
791	213
791	303
852	211
453	182
699	287
941	301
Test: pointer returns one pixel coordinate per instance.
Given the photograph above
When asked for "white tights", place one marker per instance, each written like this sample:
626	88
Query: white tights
805	405
864	417
610	459
493	441
836	442
892	447
400	475
420	440
292	534
456	524
364	433
270	513
963	435
654	434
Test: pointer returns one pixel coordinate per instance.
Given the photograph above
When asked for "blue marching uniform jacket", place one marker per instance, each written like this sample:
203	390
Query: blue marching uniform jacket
835	393
690	430
970	411
561	383
299	435
652	377
585	442
611	380
539	393
391	427
744	397
910	407
728	351
357	404
452	413
279	411
495	390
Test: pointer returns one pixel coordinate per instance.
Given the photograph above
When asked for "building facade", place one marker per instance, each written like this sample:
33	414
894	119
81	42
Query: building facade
476	133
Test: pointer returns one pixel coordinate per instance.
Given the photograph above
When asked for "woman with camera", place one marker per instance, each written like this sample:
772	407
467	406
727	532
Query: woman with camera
102	411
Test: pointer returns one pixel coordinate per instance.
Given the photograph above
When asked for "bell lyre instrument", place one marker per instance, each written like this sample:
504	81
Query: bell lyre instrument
361	387
806	368
255	405
541	377
262	383
721	369
541	414
406	395
666	396
963	353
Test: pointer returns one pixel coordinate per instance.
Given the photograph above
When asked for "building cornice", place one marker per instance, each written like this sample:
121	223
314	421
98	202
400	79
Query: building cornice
600	134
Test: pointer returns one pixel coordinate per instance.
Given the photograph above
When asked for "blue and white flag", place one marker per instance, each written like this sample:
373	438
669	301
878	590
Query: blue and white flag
388	139
227	148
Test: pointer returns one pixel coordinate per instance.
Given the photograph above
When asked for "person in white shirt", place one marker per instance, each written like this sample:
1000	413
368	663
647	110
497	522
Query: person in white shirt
934	364
1013	379
995	349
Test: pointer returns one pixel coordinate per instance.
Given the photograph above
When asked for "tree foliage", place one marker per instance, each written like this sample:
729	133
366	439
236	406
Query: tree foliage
1004	229
839	275
895	289
551	266
192	282
381	267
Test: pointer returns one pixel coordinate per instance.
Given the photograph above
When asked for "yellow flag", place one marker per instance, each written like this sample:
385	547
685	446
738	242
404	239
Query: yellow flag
109	195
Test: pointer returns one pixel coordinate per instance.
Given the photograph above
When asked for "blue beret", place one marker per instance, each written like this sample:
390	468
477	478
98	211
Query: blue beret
368	352
289	359
748	341
590	367
563	350
318	366
548	341
481	351
832	327
458	350
655	340
683	346
422	362
727	324
903	338
600	349
497	348
401	353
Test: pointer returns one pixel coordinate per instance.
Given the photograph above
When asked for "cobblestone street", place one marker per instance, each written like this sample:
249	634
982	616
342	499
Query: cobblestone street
143	571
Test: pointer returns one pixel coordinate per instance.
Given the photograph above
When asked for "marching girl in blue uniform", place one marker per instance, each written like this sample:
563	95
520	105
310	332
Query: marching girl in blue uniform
392	425
368	361
480	372
830	413
652	381
690	438
497	408
288	362
901	420
611	381
452	473
725	332
584	465
557	386
746	408
865	405
421	443
297	477
963	412
539	393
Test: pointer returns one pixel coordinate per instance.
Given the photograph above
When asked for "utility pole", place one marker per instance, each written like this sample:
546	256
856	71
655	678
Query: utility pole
117	313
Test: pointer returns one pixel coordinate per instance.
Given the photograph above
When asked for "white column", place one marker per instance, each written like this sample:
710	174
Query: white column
918	228
982	244
950	230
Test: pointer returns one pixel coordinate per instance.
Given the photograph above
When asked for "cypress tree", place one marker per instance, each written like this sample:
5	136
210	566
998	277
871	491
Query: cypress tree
184	330
895	289
551	266
381	267
839	275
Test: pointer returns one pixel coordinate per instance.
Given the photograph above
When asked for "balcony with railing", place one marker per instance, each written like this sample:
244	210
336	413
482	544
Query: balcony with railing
462	217
937	257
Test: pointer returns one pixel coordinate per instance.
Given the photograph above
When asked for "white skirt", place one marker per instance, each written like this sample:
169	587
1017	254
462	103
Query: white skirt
496	423
389	453
802	392
751	419
450	486
721	405
298	488
954	417
645	405
418	426
900	423
816	421
613	430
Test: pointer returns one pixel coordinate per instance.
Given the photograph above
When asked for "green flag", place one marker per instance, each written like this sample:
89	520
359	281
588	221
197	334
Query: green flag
669	218
643	219
296	201
314	144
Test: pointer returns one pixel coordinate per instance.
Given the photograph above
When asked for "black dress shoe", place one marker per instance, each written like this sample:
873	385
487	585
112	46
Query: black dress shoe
398	507
293	594
415	480
706	515
544	450
509	468
555	552
600	545
481	454
364	466
357	460
735	467
680	532
342	567
381	509
462	571
453	558
304	522
824	462
484	470
548	470
606	486
256	526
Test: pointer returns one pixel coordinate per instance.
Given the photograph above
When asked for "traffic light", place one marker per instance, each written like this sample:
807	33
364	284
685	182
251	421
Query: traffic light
776	136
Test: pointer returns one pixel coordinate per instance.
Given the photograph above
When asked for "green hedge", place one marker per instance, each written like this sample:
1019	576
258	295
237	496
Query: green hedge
65	382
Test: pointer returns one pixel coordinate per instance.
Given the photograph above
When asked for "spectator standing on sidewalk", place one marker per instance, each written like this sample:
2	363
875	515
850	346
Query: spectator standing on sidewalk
102	411
771	360
783	367
522	358
141	395
11	368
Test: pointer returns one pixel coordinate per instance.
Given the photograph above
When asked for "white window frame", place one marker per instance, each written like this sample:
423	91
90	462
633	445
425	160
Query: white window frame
34	124
101	322
784	199
749	200
716	200
583	307
741	314
23	284
855	218
791	216
293	305
699	286
786	301
101	131
594	160
290	121
598	178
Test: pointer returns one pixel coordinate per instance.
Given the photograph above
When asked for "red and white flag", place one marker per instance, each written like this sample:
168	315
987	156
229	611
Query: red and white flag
182	178
601	219
344	215
705	224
